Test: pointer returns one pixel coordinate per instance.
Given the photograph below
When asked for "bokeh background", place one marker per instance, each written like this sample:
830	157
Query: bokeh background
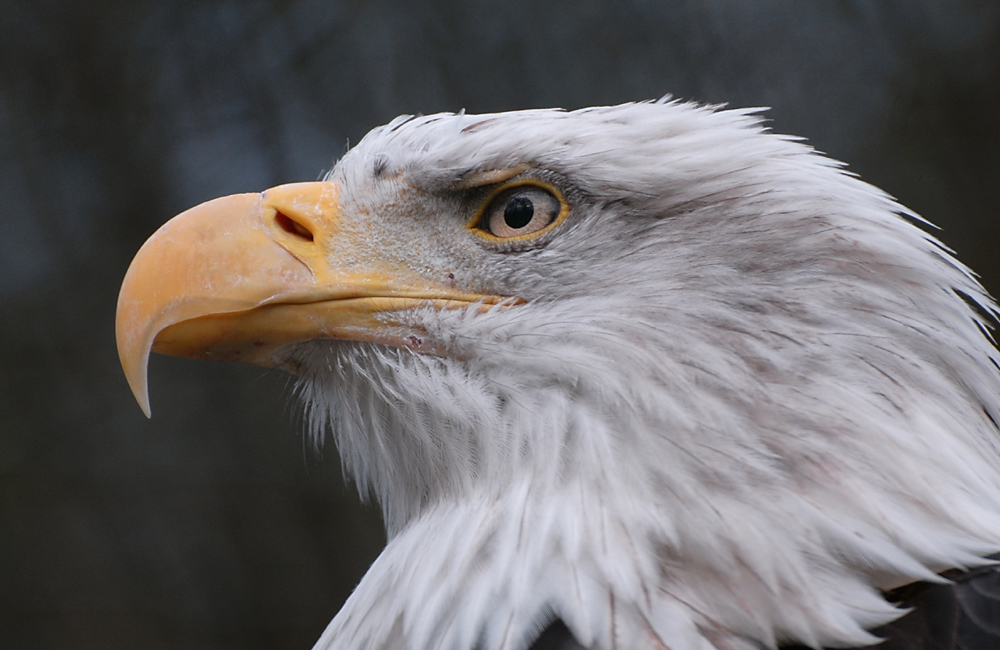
214	525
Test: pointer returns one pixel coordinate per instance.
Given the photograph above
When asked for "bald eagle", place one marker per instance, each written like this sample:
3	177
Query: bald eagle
645	376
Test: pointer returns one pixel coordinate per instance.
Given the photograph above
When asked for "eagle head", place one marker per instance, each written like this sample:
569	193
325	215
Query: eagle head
650	370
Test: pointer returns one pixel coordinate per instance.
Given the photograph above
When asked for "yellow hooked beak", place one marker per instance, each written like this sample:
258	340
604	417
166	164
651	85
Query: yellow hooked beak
234	278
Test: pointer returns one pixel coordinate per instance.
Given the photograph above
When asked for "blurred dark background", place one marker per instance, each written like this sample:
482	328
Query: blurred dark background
213	525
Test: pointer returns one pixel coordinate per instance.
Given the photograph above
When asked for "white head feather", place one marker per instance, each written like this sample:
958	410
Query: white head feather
745	393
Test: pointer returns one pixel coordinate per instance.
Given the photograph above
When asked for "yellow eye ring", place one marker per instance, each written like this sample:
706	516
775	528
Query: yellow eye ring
519	211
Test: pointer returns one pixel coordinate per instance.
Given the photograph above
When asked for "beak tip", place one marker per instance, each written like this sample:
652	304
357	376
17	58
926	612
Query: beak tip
135	363
144	405
140	390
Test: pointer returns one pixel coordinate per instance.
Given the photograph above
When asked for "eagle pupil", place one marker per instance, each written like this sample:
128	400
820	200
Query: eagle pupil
518	212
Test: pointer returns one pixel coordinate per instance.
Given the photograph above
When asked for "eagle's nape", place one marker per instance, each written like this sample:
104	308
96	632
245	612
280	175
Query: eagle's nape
963	614
638	376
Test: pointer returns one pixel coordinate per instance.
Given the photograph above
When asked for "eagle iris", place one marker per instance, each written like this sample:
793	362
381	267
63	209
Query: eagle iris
521	210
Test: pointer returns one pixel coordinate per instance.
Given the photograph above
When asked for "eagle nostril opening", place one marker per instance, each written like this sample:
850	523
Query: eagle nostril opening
293	227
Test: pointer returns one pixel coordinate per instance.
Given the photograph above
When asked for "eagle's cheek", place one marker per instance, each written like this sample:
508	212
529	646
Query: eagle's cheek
235	278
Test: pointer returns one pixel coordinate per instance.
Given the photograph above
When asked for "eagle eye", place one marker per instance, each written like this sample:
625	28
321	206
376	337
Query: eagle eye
521	210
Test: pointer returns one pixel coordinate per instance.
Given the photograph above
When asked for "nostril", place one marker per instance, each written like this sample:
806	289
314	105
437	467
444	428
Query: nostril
293	227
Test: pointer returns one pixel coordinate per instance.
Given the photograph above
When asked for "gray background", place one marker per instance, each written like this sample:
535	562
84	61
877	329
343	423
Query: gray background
213	525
